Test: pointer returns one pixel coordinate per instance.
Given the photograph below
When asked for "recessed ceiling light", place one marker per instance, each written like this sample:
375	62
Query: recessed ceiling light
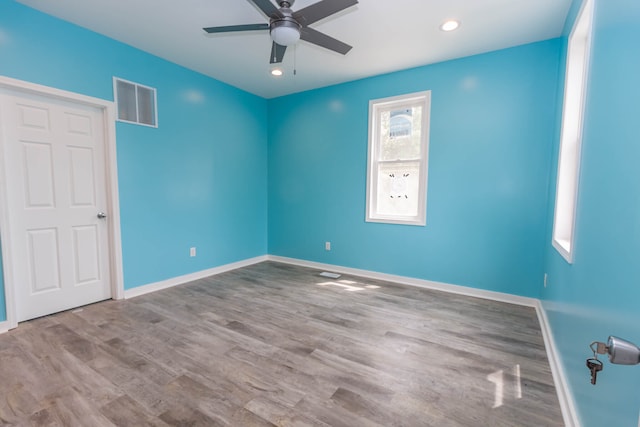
276	72
450	25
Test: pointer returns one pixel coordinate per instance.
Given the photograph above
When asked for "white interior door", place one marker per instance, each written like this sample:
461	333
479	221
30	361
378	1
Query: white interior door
56	185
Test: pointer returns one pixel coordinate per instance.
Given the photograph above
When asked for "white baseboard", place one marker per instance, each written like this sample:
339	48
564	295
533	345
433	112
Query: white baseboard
4	327
565	397
411	281
180	280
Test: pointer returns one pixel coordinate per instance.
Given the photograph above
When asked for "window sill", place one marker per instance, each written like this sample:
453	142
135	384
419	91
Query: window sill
563	247
416	222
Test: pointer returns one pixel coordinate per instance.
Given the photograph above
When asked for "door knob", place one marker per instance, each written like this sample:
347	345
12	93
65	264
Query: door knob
102	215
623	352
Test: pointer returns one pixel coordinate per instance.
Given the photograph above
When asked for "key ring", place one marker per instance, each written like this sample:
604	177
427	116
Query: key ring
595	361
595	352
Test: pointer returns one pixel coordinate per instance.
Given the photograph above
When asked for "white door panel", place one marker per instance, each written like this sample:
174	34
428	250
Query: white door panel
82	176
86	256
56	185
38	175
43	260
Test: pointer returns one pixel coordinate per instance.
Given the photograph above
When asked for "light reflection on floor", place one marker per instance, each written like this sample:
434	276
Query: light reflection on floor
498	378
349	285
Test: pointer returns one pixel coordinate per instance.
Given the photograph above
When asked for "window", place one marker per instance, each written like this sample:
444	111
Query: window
397	167
571	137
135	103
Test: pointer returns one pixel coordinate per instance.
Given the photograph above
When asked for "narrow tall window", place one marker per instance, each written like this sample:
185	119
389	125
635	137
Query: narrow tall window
398	151
135	103
571	137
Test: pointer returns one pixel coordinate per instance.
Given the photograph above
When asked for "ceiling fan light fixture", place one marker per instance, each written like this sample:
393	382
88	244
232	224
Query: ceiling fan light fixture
277	72
450	25
285	32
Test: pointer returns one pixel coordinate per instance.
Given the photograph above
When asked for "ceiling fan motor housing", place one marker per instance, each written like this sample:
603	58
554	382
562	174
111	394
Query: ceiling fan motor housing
285	29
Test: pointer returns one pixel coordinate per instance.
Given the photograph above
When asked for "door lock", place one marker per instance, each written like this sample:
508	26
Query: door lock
623	352
101	215
620	352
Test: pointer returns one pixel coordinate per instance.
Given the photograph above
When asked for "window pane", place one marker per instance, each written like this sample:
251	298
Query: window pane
400	123
397	168
126	93
146	108
572	118
400	135
398	188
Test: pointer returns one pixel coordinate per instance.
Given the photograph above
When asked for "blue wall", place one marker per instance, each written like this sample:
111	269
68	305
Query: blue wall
599	294
198	180
492	128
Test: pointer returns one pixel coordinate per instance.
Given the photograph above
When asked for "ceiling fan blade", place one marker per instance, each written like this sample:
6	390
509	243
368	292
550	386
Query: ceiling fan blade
323	40
277	53
230	28
268	8
321	9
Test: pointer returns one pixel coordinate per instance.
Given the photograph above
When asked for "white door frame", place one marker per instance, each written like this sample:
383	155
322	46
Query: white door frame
115	241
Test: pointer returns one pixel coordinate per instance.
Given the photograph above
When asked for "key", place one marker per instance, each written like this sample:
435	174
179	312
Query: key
594	366
599	347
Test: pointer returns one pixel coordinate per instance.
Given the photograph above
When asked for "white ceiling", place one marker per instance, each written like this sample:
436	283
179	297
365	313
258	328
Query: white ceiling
386	35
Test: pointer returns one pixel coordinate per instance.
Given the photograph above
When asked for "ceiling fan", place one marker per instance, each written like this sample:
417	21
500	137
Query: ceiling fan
287	27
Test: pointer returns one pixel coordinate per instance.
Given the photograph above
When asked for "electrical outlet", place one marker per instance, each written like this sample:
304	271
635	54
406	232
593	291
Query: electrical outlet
546	276
192	252
327	246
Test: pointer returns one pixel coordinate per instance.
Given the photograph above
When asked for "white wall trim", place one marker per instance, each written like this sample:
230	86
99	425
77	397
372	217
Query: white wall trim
113	199
108	111
4	327
36	89
565	396
181	280
404	280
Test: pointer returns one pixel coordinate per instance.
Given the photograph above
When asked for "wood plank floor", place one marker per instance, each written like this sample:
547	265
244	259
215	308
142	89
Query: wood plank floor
275	344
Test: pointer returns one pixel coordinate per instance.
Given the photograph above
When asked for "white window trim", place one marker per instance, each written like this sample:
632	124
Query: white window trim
575	93
137	85
424	99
